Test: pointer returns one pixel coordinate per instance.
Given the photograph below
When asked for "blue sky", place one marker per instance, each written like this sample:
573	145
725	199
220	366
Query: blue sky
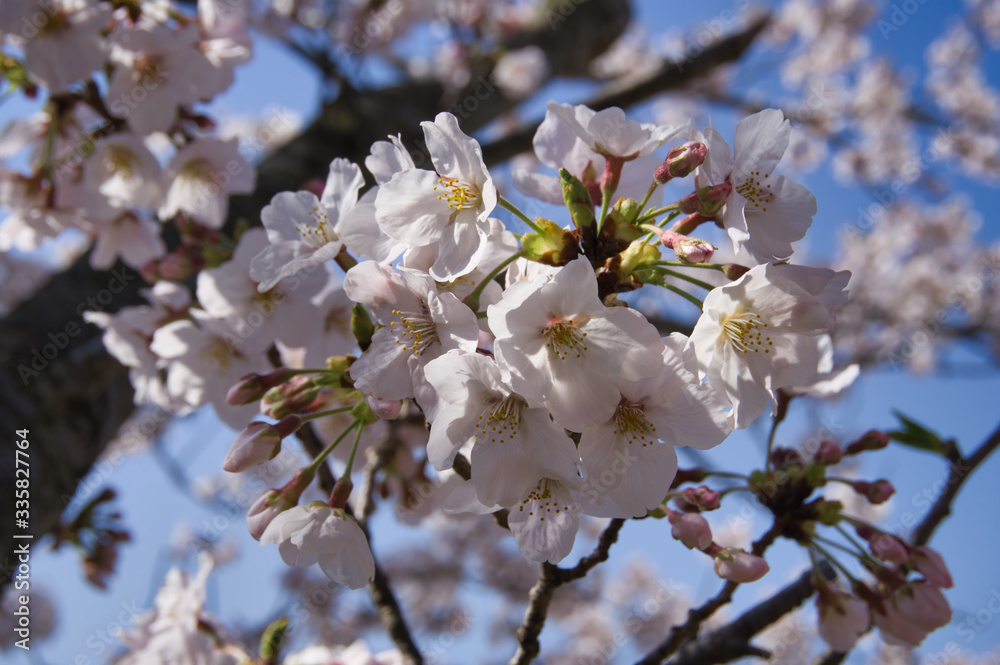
963	407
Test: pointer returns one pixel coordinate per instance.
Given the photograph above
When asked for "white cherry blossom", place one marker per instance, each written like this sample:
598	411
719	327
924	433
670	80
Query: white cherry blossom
449	207
765	212
759	333
562	347
303	229
202	175
316	533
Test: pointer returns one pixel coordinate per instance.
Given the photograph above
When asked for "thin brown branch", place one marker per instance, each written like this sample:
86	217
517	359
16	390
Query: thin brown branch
733	641
386	605
959	472
550	579
678	635
671	75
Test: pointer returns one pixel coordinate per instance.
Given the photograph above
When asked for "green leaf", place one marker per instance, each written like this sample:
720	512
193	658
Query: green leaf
915	435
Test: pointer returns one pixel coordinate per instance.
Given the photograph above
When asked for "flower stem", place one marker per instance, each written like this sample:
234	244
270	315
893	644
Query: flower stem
770	443
517	213
354	449
472	300
687	278
322	414
832	559
329	449
606	193
682	264
649	193
681	292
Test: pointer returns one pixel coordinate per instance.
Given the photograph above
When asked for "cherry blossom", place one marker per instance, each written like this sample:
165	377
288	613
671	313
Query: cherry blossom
449	207
765	213
202	175
317	533
560	345
759	333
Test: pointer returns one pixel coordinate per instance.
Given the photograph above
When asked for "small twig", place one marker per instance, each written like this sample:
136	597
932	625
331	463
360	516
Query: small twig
733	641
389	611
550	579
959	472
698	615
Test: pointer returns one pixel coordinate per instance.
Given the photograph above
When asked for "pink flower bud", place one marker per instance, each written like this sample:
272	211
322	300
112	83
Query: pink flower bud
681	161
252	387
703	497
694	250
870	440
877	492
738	566
263	510
888	548
923	605
895	628
257	443
386	409
691	529
931	565
829	453
707	201
842	619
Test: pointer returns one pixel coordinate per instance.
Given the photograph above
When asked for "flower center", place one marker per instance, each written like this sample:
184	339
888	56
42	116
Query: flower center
318	231
217	354
632	426
198	170
500	423
565	339
756	190
545	503
746	332
119	161
415	331
457	194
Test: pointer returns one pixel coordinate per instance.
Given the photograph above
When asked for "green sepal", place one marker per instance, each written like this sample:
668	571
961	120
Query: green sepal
362	326
577	199
273	640
554	246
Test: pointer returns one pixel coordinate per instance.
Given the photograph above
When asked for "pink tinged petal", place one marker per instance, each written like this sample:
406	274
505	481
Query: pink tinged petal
408	208
842	620
538	186
382	371
545	522
759	142
555	139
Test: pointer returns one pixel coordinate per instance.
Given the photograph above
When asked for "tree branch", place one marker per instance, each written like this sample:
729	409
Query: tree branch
959	472
550	579
678	635
733	641
386	605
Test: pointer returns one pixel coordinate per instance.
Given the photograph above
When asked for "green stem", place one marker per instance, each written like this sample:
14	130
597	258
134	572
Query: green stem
517	213
653	214
834	561
681	292
688	278
606	193
329	449
770	444
726	474
322	414
472	300
354	450
682	264
649	193
860	548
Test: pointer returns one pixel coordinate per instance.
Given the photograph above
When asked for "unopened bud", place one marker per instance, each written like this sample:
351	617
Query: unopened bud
888	548
686	248
931	565
738	566
734	271
256	444
870	440
707	201
702	498
829	453
341	492
877	492
267	506
386	409
691	529
681	161
252	387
